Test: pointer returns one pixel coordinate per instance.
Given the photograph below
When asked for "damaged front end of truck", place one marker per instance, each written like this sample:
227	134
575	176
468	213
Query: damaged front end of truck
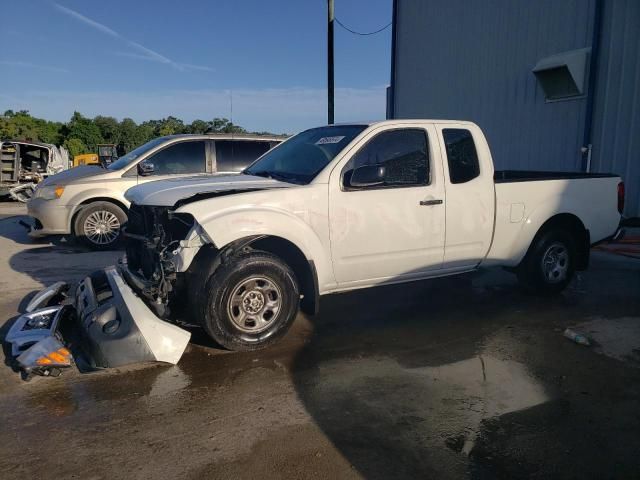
131	312
120	315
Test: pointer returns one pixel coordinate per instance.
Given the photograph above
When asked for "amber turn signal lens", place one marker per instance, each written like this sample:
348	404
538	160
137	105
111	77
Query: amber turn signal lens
56	357
61	356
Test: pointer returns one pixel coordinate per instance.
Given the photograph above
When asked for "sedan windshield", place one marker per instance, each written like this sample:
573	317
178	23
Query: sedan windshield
301	158
126	160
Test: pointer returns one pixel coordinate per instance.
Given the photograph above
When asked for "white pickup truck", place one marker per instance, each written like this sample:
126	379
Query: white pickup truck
350	206
333	209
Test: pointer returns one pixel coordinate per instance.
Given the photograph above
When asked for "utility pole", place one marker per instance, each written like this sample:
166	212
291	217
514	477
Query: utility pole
330	61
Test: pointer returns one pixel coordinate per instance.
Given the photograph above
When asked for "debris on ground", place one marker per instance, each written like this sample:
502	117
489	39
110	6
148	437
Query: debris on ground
576	337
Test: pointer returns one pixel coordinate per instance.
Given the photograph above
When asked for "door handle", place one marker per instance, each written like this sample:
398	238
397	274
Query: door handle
431	202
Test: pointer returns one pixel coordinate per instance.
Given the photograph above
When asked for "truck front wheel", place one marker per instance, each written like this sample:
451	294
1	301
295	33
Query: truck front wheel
550	262
250	301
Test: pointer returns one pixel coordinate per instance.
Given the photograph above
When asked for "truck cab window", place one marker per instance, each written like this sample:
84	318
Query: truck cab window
236	155
180	158
403	155
461	155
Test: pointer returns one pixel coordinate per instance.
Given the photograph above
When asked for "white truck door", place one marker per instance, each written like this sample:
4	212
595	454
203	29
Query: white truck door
470	194
387	207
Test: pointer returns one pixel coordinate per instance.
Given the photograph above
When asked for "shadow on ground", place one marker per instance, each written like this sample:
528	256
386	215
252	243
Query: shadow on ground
50	259
471	377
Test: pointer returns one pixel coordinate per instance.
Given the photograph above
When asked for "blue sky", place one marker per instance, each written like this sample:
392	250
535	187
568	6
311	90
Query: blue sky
150	59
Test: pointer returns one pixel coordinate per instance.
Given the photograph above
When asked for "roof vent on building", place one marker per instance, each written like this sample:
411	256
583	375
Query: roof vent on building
563	75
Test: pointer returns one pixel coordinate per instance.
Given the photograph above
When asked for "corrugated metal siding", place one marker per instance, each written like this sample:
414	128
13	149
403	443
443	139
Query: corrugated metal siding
473	61
616	128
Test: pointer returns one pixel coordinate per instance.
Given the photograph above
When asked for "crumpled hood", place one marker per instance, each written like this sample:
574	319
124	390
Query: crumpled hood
166	193
67	176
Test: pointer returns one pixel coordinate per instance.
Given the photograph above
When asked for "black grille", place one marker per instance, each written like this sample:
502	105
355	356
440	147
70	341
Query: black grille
137	222
140	257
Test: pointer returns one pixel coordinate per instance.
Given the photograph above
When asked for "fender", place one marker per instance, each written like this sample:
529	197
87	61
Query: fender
537	218
98	194
232	224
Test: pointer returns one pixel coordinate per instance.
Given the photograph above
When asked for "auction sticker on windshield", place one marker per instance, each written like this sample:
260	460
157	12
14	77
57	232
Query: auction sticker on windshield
325	140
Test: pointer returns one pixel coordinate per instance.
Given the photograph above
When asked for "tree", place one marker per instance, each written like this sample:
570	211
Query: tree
170	126
19	126
198	126
85	130
129	134
75	146
109	129
224	125
82	134
49	132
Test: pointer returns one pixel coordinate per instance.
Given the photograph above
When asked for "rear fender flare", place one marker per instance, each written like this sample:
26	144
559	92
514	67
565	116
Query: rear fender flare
534	222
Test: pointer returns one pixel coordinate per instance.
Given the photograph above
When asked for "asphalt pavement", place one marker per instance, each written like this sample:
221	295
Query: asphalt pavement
462	377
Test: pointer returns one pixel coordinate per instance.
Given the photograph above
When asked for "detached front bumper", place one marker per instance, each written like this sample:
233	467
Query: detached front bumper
109	323
120	328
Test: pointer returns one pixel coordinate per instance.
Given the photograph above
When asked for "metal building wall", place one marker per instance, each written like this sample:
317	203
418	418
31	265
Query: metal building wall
616	127
473	59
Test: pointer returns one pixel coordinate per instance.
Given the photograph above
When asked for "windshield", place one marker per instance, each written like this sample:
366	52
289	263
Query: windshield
301	158
126	160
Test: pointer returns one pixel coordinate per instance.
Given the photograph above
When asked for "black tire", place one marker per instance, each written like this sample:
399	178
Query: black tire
222	321
86	218
550	262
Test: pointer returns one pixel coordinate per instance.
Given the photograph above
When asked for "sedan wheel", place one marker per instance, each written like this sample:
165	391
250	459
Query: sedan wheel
99	225
102	227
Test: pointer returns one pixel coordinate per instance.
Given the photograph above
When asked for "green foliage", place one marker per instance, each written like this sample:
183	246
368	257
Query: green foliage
109	129
82	134
75	146
85	130
19	125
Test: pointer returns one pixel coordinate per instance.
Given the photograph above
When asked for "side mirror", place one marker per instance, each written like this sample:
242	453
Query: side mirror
145	168
368	176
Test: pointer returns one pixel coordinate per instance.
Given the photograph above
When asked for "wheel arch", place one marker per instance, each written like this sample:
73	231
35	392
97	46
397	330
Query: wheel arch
209	258
572	224
89	201
303	268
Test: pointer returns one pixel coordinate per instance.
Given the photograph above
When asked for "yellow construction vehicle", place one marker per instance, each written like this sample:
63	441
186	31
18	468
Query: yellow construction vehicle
107	153
86	159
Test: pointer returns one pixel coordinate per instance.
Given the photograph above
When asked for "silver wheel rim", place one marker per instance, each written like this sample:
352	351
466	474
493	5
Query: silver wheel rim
555	263
254	304
101	227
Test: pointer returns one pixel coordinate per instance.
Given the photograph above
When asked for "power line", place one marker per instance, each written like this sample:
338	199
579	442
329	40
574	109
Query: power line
364	34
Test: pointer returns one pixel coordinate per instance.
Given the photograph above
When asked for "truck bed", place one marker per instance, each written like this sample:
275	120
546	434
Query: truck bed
523	204
509	176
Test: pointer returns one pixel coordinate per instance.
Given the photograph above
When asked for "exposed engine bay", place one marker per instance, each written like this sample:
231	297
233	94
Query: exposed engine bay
156	239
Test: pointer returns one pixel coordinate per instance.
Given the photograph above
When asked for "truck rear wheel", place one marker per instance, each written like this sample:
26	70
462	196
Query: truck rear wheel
250	301
550	262
99	225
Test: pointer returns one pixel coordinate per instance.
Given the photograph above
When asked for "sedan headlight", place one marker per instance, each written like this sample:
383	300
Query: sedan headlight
49	193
